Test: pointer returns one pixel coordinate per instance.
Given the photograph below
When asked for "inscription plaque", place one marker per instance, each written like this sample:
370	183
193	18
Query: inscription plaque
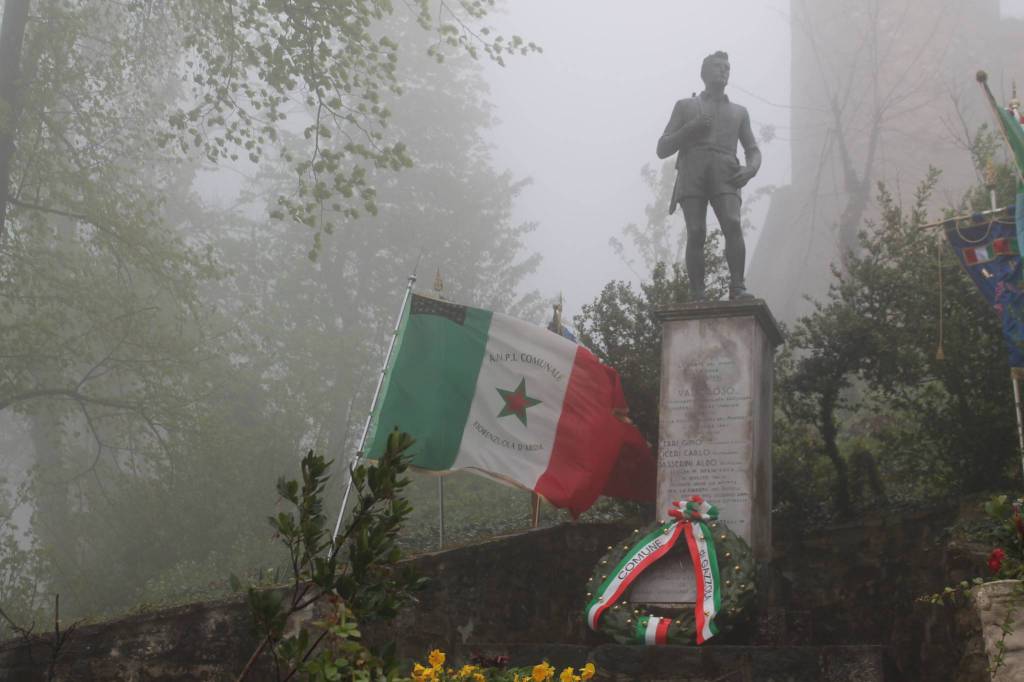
715	429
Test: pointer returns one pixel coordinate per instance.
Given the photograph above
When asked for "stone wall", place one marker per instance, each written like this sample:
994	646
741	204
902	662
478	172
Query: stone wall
848	585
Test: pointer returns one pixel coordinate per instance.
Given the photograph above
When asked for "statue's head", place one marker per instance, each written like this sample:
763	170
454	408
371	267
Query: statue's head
714	71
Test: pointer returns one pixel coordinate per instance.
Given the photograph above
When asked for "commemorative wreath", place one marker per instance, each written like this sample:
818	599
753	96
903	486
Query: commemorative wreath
723	567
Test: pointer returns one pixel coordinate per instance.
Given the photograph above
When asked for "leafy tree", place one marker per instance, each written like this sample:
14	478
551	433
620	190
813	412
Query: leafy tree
158	393
866	412
19	588
866	371
252	62
354	577
249	68
316	330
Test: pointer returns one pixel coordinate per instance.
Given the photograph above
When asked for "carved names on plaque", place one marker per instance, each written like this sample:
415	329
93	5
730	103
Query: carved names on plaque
709	379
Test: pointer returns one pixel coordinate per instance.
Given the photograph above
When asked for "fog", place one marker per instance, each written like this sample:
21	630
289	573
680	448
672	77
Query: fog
583	118
203	246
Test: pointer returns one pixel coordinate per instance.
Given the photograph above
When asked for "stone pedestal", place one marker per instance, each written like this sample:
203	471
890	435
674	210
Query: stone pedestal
715	427
998	605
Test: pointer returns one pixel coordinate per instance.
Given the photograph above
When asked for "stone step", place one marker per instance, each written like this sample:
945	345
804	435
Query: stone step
708	663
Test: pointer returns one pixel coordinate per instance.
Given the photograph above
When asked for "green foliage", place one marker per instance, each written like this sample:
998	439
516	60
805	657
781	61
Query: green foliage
20	607
865	375
1005	534
1003	530
315	332
737	585
866	414
474	508
1006	561
366	586
249	64
164	359
621	328
477	508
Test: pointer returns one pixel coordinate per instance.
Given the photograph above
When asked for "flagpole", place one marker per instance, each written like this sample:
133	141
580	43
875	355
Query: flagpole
373	401
982	78
554	326
440	512
1015	376
958	218
1015	372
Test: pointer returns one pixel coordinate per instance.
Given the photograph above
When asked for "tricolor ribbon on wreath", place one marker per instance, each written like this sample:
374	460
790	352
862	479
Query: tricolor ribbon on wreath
690	522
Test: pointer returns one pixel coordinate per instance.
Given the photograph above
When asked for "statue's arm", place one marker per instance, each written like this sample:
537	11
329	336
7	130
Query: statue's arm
751	152
679	132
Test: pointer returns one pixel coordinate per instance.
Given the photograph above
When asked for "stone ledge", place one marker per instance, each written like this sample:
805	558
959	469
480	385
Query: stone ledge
703	310
202	642
825	588
708	663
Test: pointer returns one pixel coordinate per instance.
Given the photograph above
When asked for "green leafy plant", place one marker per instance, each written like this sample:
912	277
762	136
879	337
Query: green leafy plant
1003	528
344	580
1006	560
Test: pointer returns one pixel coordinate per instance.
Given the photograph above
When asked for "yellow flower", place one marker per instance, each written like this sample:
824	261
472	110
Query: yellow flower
419	673
436	658
542	672
566	675
479	677
588	671
465	671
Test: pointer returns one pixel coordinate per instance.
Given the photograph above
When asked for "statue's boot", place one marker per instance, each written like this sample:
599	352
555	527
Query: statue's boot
698	294
738	291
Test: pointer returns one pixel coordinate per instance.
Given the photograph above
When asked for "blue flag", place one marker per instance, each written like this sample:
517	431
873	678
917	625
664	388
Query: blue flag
989	250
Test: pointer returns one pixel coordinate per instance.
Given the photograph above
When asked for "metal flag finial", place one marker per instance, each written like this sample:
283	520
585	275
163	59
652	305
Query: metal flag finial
556	316
991	174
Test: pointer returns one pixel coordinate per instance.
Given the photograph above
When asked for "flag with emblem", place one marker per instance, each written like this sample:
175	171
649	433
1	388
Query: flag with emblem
485	392
988	246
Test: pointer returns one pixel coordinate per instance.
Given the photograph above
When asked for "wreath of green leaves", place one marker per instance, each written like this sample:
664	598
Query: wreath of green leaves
625	622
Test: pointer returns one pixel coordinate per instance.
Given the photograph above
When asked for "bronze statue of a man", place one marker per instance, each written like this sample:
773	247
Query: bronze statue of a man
704	130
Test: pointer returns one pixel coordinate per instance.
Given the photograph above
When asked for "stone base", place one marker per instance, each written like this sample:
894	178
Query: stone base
707	663
714	433
1000	605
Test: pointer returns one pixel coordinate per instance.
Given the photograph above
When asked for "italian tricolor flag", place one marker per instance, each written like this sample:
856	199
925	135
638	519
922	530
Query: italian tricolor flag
1004	246
483	391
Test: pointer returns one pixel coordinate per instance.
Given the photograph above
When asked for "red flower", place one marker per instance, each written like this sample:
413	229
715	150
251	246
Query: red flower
995	559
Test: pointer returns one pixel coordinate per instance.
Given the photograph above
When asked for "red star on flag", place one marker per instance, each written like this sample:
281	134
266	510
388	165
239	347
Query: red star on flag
516	402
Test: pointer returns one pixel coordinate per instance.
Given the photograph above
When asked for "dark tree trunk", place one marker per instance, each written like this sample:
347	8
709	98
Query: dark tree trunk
12	35
829	433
